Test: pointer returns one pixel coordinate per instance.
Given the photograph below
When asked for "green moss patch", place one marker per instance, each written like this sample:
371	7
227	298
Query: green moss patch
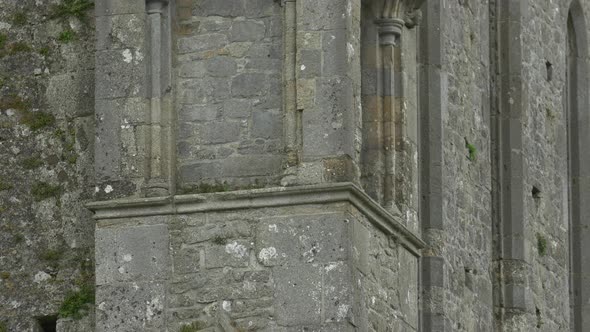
3	39
42	191
18	47
76	304
4	185
51	255
31	163
19	18
66	36
13	102
44	51
193	327
37	120
541	245
71	8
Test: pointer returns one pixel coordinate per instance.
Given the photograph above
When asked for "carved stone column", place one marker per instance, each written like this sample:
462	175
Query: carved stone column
159	180
390	17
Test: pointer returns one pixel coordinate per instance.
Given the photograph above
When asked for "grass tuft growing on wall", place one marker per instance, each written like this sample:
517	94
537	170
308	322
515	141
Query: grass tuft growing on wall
66	36
76	303
37	120
71	8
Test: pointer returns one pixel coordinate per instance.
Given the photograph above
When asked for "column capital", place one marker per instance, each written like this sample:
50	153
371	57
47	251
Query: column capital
392	15
155	6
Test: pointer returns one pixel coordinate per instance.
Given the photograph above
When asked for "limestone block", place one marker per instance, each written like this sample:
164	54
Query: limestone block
247	31
302	239
130	307
298	298
267	124
131	254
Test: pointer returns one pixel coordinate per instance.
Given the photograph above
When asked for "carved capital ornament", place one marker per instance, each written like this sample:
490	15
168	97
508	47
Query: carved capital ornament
392	15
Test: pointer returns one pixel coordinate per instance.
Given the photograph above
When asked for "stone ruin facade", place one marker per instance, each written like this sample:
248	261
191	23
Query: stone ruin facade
294	165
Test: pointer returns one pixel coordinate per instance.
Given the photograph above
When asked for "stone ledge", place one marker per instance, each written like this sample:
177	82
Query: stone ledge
262	198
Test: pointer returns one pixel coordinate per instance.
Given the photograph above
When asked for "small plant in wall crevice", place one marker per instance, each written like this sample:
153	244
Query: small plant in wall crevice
541	245
471	150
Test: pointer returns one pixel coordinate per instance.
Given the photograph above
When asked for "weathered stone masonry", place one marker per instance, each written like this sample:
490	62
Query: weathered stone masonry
288	165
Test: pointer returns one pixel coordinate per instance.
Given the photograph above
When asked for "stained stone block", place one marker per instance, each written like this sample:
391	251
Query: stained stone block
130	307
190	113
337	292
220	132
408	287
200	43
235	253
310	64
326	128
117	7
267	124
120	73
120	31
71	95
107	159
204	91
298	294
249	85
302	239
247	31
321	15
360	246
218	8
251	165
200	171
237	108
194	69
131	254
221	66
335	52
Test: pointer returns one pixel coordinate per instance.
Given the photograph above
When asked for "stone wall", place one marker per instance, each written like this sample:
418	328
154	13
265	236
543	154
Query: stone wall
316	258
229	65
466	245
46	172
459	122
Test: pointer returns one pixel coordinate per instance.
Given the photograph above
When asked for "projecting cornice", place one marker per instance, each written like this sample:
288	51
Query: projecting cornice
262	198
